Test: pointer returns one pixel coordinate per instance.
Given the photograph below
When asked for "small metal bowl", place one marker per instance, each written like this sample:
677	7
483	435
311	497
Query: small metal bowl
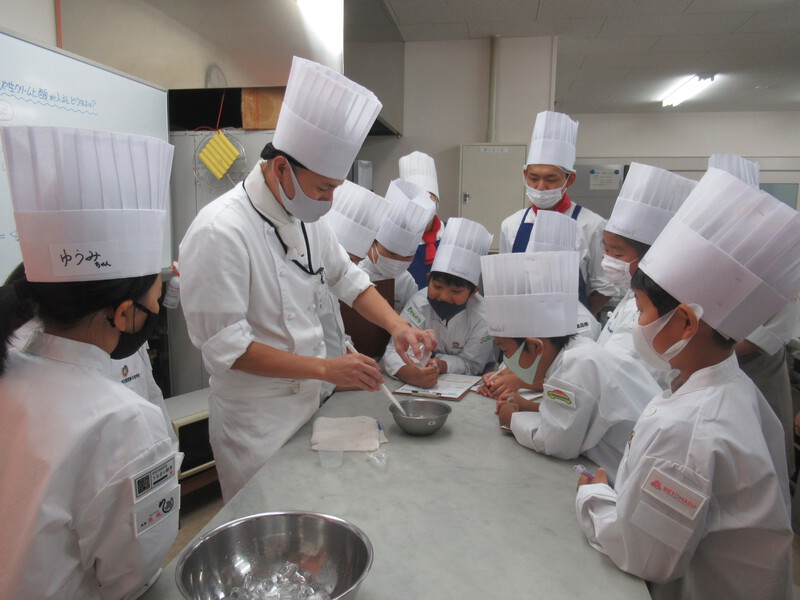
423	417
336	553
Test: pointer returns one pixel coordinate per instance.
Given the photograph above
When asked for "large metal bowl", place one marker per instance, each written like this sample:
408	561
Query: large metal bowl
423	417
337	553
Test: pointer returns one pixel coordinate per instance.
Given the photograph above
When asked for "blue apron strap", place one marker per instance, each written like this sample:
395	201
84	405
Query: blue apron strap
582	295
523	234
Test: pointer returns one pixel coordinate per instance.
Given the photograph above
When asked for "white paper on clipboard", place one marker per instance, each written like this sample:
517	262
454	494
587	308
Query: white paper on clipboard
449	387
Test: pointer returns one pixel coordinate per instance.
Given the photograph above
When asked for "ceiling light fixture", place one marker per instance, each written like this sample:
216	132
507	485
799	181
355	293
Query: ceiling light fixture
686	89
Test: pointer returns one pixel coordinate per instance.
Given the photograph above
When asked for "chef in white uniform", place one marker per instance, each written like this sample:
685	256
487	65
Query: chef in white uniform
591	399
420	169
257	265
89	496
397	239
548	174
464	344
762	354
700	506
354	218
648	199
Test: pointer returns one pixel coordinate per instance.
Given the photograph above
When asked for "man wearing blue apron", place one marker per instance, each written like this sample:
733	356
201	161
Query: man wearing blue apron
548	174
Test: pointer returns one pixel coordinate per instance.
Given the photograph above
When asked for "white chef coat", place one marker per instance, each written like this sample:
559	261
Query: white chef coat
404	285
588	326
75	448
330	316
134	372
701	502
237	287
591	400
617	337
589	240
463	342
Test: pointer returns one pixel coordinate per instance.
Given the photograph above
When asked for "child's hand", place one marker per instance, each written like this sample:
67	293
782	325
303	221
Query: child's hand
504	412
599	477
423	378
503	383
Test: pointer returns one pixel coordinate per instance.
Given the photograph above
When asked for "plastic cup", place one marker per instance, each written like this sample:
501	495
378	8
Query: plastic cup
330	458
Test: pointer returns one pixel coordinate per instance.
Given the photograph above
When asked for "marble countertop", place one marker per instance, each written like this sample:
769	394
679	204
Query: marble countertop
466	513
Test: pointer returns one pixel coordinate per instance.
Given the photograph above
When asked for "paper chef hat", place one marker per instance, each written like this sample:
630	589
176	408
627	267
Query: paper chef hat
647	201
355	217
531	295
731	249
739	167
324	118
552	231
420	169
461	248
89	205
553	140
410	210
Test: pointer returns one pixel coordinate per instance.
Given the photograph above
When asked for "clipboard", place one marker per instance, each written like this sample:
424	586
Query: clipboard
449	387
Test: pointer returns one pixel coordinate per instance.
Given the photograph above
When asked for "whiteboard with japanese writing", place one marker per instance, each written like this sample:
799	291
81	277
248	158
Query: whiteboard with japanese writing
42	85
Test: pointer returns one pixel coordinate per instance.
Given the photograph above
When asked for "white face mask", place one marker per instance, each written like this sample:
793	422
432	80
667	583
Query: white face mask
545	199
643	336
618	272
388	267
301	206
528	375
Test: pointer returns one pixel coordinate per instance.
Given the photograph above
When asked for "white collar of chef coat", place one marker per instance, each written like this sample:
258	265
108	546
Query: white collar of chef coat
264	202
715	375
64	350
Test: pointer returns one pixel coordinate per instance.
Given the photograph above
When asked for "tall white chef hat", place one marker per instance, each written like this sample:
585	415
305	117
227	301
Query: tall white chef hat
531	294
419	168
647	201
410	211
553	140
731	249
355	217
746	170
461	248
89	205
324	118
552	231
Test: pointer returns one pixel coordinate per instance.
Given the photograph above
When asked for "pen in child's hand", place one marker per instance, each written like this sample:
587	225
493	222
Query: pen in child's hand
581	470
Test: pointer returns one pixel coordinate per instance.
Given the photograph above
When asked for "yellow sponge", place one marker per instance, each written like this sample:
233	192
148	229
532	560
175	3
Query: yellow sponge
218	155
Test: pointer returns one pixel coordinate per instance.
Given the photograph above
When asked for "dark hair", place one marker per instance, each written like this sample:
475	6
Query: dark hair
559	342
664	303
454	280
62	304
269	152
660	299
640	247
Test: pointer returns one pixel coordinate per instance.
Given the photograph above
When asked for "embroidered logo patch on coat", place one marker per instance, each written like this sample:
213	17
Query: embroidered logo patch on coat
561	396
414	315
671	492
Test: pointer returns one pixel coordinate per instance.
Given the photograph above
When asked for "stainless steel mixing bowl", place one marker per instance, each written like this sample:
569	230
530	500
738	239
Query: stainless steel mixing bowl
337	553
423	417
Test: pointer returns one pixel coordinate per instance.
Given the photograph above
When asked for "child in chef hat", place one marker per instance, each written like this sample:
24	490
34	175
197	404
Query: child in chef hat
591	399
450	307
647	201
700	504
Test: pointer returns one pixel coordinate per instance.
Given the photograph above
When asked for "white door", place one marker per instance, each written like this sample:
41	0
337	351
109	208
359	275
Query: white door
491	184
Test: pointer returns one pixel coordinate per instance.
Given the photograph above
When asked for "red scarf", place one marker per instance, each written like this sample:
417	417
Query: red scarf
429	237
562	206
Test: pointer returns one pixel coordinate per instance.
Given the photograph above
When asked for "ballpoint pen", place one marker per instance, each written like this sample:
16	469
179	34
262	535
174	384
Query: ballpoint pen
581	470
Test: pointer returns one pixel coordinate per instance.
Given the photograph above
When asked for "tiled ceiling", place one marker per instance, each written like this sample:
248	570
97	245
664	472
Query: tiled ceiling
621	55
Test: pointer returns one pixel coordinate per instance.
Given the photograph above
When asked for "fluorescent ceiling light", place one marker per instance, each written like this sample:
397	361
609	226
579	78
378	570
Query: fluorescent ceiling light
686	89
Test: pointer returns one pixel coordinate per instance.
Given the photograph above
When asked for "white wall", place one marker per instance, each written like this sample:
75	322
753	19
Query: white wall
446	99
32	18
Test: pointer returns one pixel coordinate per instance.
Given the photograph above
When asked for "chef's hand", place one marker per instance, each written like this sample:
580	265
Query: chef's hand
599	477
355	370
424	378
405	335
504	412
